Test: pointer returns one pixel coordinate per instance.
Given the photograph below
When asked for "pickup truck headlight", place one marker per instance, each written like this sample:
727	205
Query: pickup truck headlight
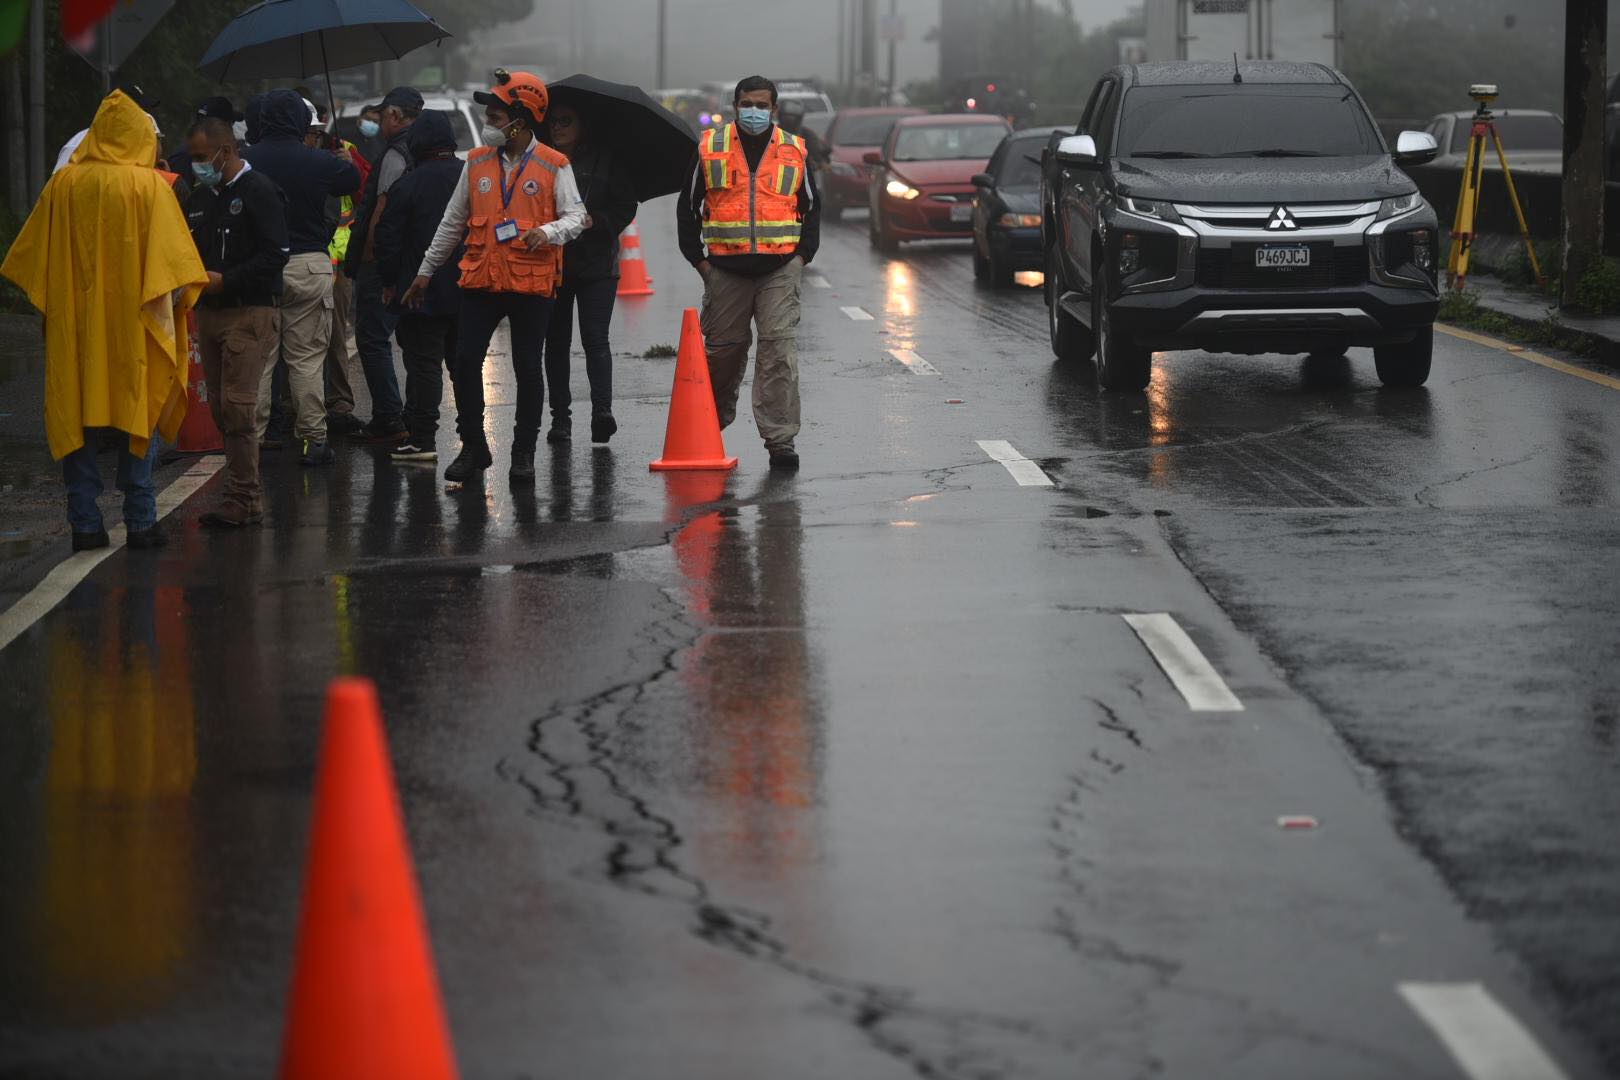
1407	255
899	189
1020	221
1149	208
1397	206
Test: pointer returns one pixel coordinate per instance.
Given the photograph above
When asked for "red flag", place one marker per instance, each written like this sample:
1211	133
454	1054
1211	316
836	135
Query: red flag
79	16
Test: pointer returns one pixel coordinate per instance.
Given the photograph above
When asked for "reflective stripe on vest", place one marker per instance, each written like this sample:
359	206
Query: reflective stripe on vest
511	267
751	213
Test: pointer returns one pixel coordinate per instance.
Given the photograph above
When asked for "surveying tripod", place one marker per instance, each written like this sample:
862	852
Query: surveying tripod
1462	229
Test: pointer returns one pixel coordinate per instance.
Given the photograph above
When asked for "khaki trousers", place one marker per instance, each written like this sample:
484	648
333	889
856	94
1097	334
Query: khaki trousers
340	359
306	330
236	346
732	306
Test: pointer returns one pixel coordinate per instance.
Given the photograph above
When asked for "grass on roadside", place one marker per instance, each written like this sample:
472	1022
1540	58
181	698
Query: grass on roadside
1464	310
660	352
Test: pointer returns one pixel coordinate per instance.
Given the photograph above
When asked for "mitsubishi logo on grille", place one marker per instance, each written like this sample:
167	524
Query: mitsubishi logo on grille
1281	219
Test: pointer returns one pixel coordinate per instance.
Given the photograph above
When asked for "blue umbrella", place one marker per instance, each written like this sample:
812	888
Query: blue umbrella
300	38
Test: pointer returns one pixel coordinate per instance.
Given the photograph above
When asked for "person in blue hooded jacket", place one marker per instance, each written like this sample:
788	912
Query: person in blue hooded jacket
426	331
307	178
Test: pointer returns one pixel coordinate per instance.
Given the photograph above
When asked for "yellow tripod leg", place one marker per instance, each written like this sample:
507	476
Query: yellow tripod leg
1462	230
1518	210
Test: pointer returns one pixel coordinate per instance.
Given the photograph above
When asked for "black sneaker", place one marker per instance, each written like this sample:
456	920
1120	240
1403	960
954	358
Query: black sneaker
472	459
152	537
316	452
343	424
91	540
561	431
522	466
385	431
603	426
784	461
411	450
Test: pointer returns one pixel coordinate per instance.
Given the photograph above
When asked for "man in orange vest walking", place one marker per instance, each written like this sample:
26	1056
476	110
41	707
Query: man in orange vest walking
517	205
749	221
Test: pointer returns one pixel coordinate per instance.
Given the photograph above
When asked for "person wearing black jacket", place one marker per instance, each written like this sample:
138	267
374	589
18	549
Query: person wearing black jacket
308	178
373	318
590	274
427	331
239	224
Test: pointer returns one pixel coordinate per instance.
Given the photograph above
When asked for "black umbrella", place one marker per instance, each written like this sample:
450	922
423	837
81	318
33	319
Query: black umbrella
657	145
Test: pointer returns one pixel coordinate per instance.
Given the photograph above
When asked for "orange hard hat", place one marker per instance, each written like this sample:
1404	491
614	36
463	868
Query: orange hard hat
520	88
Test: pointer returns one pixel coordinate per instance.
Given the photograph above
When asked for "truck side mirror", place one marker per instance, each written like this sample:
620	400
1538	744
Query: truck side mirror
1415	148
873	157
1080	150
984	180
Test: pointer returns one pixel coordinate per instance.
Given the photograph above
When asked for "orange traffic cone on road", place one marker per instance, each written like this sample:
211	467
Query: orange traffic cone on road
365	999
197	431
692	439
633	279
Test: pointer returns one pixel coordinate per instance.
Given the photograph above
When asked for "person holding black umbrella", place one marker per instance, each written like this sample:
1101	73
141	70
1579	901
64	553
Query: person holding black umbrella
590	271
515	206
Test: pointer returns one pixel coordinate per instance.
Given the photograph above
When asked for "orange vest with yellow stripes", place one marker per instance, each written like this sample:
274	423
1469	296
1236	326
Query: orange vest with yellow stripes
751	213
511	267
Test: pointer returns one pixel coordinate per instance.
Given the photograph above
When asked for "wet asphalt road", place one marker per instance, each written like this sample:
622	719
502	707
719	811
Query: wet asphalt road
861	772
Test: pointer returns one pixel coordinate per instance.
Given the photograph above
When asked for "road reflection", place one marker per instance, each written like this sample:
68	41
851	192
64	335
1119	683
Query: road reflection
758	726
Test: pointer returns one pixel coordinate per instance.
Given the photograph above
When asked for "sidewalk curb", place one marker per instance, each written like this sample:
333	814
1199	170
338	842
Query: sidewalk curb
1600	349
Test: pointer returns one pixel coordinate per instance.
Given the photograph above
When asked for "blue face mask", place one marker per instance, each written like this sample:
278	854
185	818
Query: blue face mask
207	173
753	119
369	128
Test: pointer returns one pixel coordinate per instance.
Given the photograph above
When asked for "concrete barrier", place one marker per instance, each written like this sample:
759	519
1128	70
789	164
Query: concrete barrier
1540	195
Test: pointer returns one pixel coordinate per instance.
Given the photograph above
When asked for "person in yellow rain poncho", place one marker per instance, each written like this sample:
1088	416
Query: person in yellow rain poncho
107	256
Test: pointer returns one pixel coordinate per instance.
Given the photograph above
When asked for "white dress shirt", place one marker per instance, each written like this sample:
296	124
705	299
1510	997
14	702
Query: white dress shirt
453	226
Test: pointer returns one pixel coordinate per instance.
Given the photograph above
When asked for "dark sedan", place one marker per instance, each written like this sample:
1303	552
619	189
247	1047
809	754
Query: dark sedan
1007	209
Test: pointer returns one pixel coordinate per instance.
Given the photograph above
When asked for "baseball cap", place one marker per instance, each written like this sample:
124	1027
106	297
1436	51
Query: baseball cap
402	97
218	108
140	97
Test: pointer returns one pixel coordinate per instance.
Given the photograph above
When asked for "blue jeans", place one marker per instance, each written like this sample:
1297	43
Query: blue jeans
82	475
373	330
595	299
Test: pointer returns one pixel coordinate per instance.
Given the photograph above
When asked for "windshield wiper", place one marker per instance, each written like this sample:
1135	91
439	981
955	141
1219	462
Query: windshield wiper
1275	152
1167	154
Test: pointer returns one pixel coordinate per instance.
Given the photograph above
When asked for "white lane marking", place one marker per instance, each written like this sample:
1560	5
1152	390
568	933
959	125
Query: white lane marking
1184	664
913	361
818	282
75	568
858	314
1484	1037
1025	471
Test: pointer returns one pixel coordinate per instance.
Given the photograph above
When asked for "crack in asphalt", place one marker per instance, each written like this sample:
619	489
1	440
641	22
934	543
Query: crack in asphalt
1424	496
582	784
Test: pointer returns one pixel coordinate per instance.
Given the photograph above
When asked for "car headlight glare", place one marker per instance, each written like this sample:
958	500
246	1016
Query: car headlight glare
1020	221
1150	208
899	189
1400	204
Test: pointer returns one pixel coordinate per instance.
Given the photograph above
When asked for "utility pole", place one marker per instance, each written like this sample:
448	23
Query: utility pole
894	42
1585	53
843	8
869	44
36	99
663	41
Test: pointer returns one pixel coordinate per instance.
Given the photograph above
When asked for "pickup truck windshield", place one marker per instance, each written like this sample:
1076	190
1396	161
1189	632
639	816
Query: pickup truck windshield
1245	120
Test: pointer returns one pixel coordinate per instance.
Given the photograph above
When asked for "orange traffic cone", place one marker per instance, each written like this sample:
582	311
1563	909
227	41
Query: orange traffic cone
633	279
692	438
365	1000
197	431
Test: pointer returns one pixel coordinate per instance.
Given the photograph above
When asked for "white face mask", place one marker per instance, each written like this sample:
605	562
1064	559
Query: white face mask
493	136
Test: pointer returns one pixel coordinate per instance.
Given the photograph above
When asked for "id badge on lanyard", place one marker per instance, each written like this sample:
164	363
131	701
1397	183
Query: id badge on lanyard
507	231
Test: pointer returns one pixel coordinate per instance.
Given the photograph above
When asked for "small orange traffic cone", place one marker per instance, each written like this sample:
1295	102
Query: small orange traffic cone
633	279
692	439
197	431
365	999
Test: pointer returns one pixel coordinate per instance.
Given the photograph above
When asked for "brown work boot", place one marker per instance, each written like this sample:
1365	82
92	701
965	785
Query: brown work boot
231	516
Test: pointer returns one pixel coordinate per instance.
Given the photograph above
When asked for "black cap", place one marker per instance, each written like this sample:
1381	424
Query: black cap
218	108
140	97
402	97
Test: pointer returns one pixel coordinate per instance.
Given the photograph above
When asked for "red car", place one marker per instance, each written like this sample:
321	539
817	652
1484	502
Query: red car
843	179
922	180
